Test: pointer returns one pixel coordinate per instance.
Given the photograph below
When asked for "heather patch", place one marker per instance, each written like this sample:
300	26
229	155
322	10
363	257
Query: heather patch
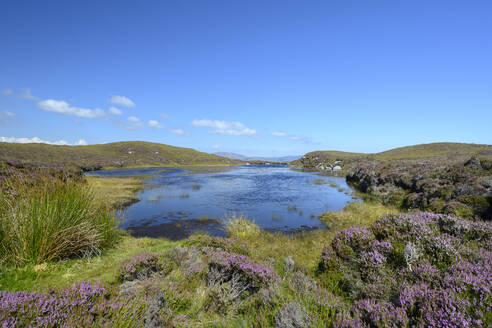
143	266
83	305
417	270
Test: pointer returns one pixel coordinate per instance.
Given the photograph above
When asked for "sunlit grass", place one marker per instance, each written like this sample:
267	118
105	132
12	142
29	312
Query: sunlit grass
52	220
65	273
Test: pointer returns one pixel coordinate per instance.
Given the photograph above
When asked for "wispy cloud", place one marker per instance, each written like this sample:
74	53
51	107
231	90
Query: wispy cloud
6	113
62	107
134	123
122	101
178	132
226	128
292	137
164	116
155	124
115	111
26	94
7	91
81	142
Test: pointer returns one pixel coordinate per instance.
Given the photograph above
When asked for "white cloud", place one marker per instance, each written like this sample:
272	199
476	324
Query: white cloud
26	94
6	113
122	101
279	134
226	128
155	124
178	132
164	116
133	119
81	142
136	123
7	92
292	137
115	111
62	107
38	140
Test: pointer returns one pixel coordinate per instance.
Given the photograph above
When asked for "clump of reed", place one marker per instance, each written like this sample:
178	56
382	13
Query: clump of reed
51	219
241	227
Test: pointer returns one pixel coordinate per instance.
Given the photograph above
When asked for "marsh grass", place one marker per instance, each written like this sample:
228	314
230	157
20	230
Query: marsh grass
52	220
304	247
117	192
241	227
319	182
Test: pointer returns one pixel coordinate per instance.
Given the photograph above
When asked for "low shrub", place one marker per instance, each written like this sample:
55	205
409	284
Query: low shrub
225	266
417	269
83	305
142	266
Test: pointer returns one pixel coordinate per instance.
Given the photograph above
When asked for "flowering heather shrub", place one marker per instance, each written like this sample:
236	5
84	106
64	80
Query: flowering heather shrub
379	314
232	245
142	266
81	305
405	227
449	283
440	250
473	280
352	241
463	229
229	264
436	308
329	260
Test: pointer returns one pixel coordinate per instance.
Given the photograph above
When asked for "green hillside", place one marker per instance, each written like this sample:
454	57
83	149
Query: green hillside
117	154
423	151
432	150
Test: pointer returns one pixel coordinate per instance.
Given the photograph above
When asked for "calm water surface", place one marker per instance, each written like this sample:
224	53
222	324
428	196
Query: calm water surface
276	197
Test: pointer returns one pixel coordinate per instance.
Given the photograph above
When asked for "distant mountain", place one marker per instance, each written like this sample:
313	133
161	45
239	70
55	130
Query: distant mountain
257	158
116	154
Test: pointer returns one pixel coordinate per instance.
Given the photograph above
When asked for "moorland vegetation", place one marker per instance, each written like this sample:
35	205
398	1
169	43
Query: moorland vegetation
378	263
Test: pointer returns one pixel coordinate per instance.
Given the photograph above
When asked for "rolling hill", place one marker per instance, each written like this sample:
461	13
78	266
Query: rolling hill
110	155
440	150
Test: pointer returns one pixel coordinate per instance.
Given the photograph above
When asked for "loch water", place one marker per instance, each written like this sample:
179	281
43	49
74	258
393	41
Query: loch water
276	197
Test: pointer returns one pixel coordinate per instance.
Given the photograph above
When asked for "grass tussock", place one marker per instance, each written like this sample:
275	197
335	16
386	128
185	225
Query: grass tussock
356	213
241	227
52	220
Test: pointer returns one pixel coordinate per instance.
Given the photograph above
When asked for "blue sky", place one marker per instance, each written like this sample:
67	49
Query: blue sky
253	77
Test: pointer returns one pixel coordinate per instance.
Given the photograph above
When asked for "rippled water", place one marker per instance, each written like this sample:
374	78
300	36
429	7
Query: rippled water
276	197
